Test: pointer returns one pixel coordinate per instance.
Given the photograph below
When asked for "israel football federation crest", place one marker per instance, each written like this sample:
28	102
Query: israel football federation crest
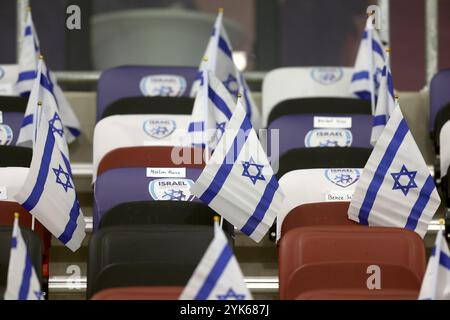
171	189
166	85
342	177
328	138
159	128
327	76
6	135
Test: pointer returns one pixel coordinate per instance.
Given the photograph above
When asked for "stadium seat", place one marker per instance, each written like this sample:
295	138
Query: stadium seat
304	246
13	156
143	174
135	81
439	96
145	256
442	117
12	110
139	293
34	250
330	185
121	131
318	158
161	212
348	281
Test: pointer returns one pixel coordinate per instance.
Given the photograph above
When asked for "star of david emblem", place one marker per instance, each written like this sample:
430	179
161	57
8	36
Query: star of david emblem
231	295
253	170
56	125
160	131
329	143
39	294
399	183
164	91
232	85
377	76
220	129
343	178
176	195
65	182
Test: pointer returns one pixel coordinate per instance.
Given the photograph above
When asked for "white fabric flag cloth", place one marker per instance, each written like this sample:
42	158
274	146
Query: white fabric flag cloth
436	283
238	181
49	190
218	59
22	281
218	275
385	104
213	108
395	188
28	65
369	65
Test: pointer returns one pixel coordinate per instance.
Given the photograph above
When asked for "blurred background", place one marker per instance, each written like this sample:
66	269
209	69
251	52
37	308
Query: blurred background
266	34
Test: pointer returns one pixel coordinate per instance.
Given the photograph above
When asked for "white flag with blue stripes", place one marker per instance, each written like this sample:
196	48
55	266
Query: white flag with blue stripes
28	65
49	190
213	108
238	181
217	276
22	281
396	188
436	283
369	65
218	59
385	104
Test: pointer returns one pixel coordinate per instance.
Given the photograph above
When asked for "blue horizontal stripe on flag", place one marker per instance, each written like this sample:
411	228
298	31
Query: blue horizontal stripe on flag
46	83
74	131
214	275
71	225
27	75
390	83
225	168
196	126
376	46
363	95
26	279
28	31
27	120
360	75
262	207
38	188
444	260
13	242
379	120
219	103
223	45
421	202
381	171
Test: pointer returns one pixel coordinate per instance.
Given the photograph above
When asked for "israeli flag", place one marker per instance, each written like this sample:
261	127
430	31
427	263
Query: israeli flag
49	190
395	188
22	282
369	66
217	276
218	59
436	283
213	108
28	65
386	103
238	181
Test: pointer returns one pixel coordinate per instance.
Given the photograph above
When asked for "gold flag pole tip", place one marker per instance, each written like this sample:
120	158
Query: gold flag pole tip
205	58
239	95
40	103
28	9
41	57
216	218
388	50
16	215
220	10
441	221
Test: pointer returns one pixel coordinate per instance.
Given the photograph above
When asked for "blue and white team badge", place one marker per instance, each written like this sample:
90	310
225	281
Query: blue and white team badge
328	138
6	135
159	128
171	189
2	73
327	76
342	177
165	85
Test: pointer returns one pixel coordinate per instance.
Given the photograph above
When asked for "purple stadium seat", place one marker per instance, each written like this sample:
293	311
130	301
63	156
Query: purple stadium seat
12	110
144	176
132	81
439	95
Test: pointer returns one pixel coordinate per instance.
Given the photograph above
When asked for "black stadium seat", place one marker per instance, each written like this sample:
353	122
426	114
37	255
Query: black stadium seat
442	117
161	212
34	250
149	105
174	250
13	104
12	156
317	158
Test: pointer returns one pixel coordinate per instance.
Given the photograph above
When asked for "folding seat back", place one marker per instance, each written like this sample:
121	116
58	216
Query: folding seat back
439	95
139	293
327	193
442	117
145	174
303	82
348	281
12	111
134	81
145	256
334	244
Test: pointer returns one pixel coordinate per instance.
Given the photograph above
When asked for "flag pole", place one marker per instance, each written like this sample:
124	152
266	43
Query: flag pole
371	71
437	257
216	223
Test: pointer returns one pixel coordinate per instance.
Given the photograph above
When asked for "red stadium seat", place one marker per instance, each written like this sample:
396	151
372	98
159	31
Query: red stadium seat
139	293
348	244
